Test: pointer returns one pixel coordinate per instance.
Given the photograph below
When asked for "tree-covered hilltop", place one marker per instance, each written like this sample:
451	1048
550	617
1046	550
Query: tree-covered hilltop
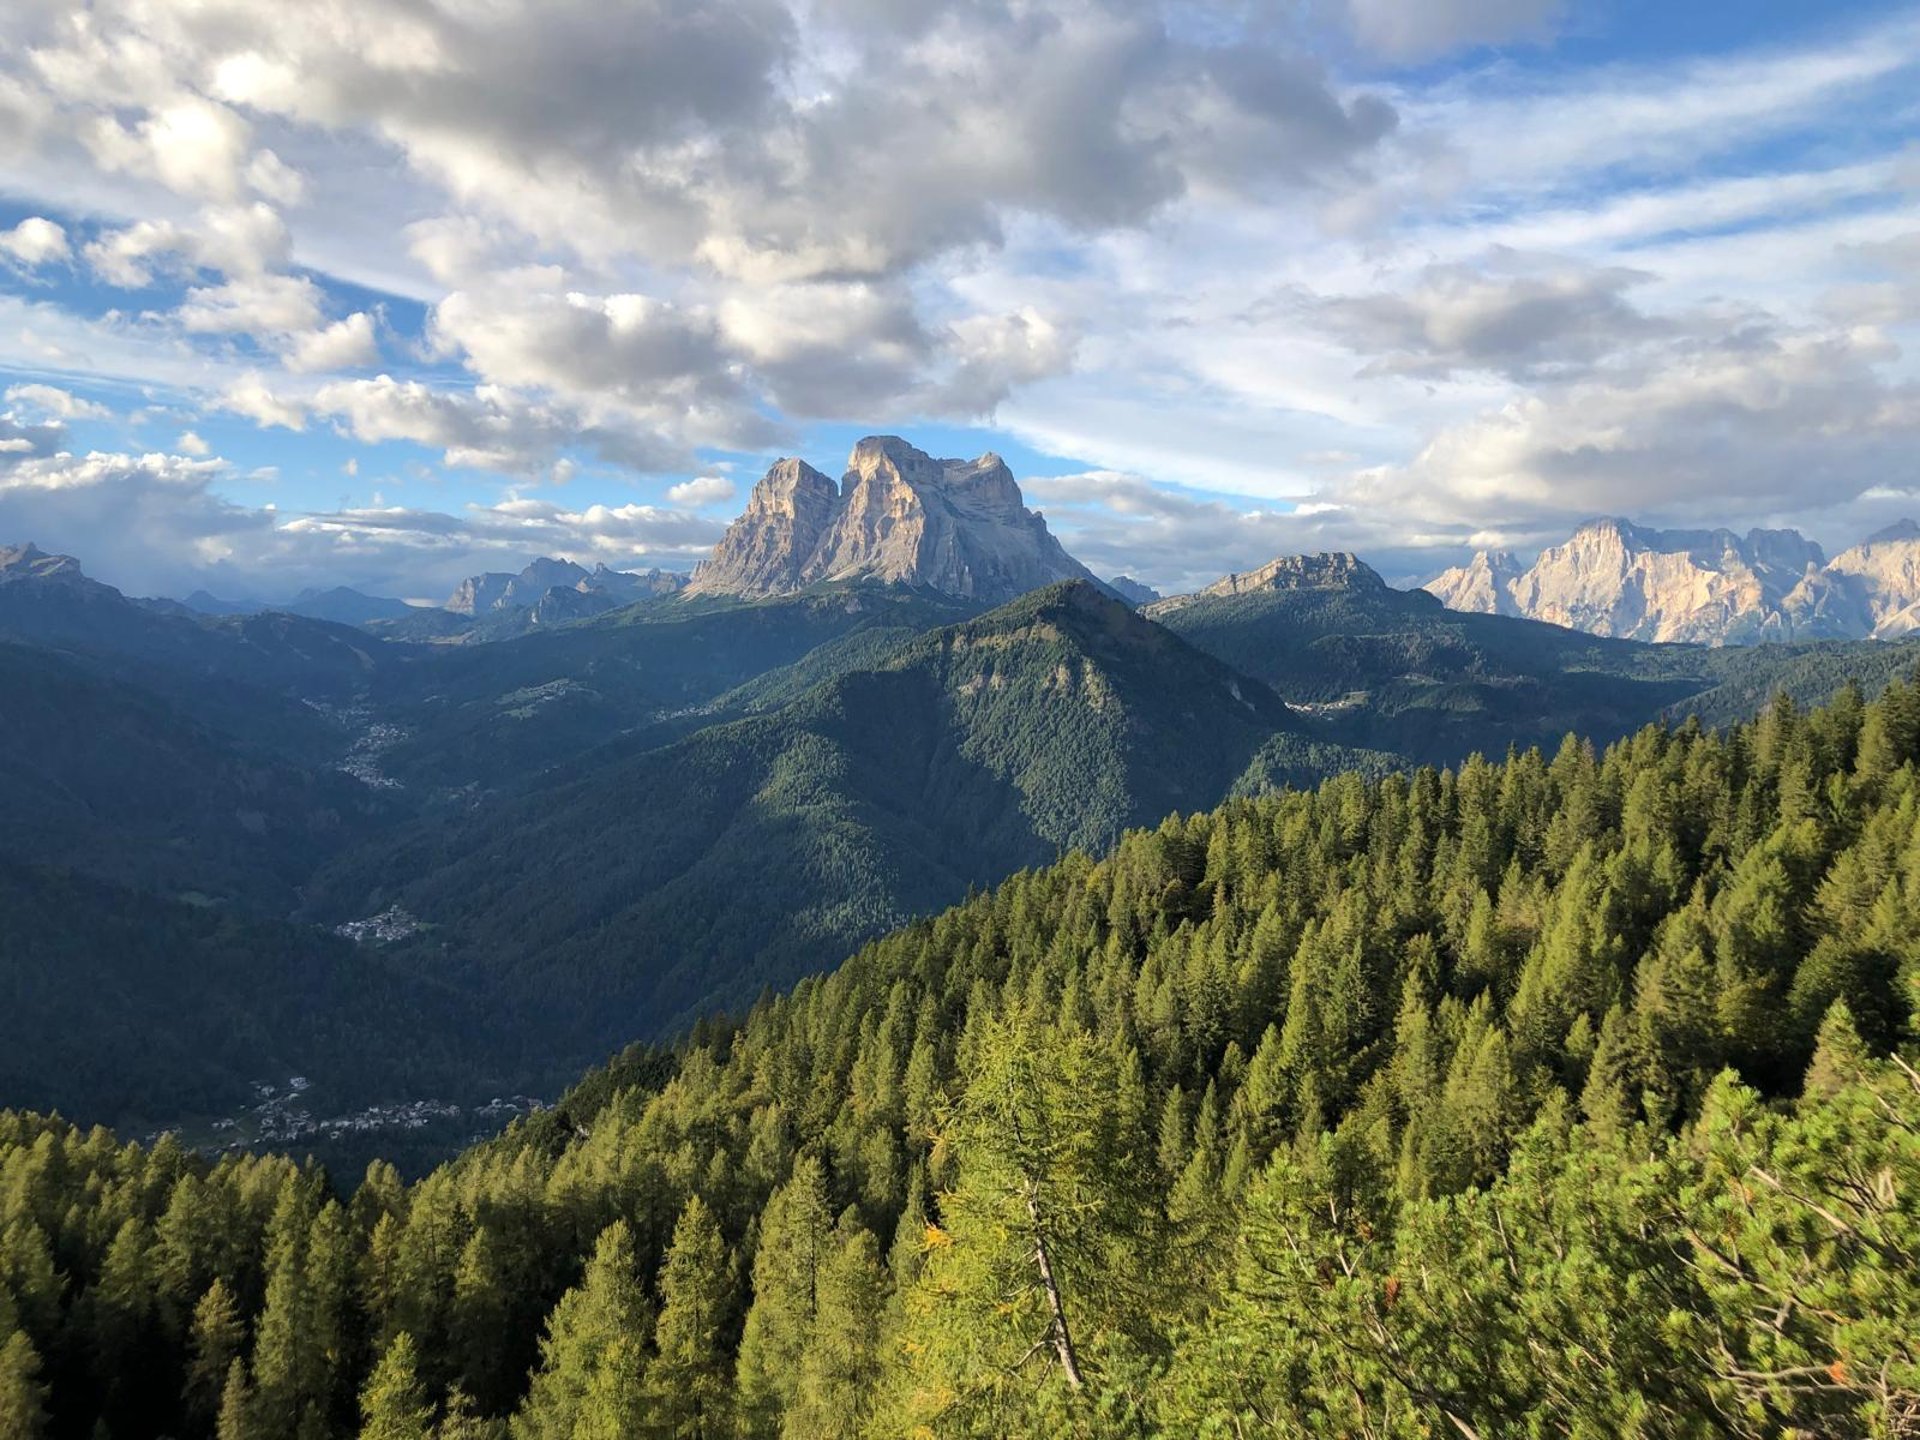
649	884
1556	1096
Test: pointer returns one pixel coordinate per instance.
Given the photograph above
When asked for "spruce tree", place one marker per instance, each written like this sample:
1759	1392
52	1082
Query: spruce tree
23	1400
393	1403
795	1233
689	1379
591	1361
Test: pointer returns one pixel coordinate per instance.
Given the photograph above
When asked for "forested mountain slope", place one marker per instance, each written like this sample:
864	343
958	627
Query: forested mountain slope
120	1004
496	715
653	883
1550	1096
116	781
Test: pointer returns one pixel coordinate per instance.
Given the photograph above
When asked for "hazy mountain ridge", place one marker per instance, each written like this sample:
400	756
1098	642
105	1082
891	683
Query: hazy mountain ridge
1712	587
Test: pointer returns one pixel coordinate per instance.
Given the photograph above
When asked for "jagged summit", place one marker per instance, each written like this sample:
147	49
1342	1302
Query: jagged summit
1613	577
1327	570
898	515
30	562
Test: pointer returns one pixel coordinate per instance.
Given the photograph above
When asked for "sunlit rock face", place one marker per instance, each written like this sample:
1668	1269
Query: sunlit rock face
898	515
1707	586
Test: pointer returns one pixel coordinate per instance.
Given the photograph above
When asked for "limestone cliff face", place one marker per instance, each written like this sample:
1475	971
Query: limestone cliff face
765	551
1882	577
1705	586
958	526
1708	586
1484	584
1329	570
1613	578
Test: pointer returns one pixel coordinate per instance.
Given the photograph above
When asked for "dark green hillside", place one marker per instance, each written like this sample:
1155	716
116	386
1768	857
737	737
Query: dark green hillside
121	1007
496	714
1569	1096
662	882
250	676
114	781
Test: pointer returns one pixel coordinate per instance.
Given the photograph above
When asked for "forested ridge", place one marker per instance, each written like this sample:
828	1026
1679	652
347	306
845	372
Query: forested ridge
1560	1096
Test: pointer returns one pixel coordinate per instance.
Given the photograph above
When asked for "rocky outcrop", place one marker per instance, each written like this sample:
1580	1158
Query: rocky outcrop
1483	584
1135	592
1329	570
1881	578
898	515
588	592
1706	586
28	562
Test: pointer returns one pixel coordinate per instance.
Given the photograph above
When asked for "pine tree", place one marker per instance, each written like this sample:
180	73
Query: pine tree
23	1401
1047	1249
479	1323
591	1362
688	1381
795	1231
393	1403
216	1339
839	1366
238	1418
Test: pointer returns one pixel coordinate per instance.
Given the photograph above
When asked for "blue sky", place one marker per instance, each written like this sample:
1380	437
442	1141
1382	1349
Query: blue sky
350	294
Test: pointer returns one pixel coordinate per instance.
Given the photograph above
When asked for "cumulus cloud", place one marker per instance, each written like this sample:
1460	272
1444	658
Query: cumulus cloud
705	490
344	345
54	403
489	428
35	241
251	397
259	305
1756	420
1521	316
238	240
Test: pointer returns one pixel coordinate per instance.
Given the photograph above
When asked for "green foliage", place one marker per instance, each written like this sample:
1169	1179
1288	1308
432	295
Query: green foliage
590	1380
1566	1095
393	1405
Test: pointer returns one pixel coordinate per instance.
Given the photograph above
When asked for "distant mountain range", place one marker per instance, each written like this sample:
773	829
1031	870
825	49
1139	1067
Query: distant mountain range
582	830
1708	587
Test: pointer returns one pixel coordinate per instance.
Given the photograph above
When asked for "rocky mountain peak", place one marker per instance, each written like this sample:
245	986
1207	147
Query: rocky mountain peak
1899	531
30	562
1483	584
898	515
1328	570
496	592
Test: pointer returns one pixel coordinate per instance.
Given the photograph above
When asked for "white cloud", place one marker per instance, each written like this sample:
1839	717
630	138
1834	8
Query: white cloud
54	403
238	240
35	241
190	144
344	345
705	490
190	443
257	305
155	524
490	428
250	396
